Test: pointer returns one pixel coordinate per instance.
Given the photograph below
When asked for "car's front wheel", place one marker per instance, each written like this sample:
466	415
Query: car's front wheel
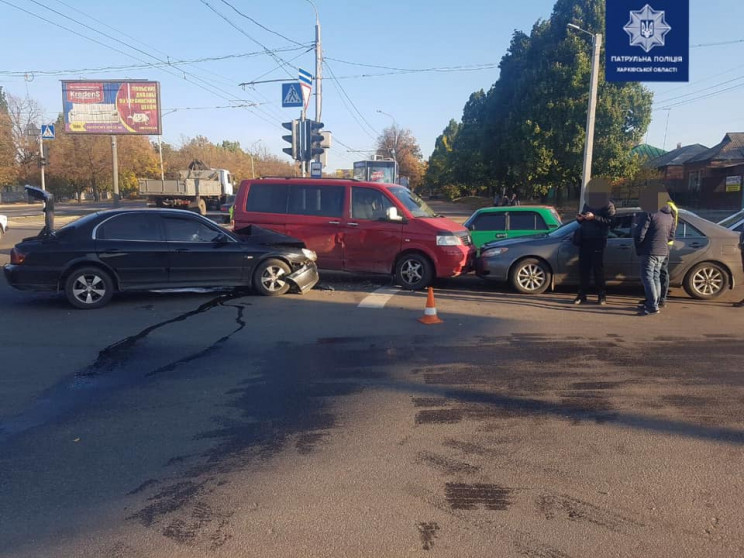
414	271
88	288
706	280
269	279
530	276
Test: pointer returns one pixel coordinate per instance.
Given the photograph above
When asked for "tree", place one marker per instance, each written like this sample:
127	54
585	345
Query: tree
25	116
528	134
439	171
8	167
400	145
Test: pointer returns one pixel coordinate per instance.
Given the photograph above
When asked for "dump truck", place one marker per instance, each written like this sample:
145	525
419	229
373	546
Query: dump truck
199	188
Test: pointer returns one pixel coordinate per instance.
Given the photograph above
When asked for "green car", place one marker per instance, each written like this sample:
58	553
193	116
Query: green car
495	223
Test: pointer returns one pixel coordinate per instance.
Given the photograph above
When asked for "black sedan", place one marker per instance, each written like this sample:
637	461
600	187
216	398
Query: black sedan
145	249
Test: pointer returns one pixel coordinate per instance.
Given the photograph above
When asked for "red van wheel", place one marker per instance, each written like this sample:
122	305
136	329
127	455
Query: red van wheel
414	271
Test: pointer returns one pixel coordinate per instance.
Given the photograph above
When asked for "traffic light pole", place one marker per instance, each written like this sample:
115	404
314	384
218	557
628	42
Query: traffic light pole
42	160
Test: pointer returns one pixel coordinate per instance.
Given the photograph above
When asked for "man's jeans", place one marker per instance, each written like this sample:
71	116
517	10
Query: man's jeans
651	279
664	278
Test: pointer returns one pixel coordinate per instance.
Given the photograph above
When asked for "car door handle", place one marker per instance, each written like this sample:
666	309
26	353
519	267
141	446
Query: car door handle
334	222
353	224
502	235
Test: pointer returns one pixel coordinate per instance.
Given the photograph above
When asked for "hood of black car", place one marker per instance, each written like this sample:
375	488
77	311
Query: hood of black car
266	237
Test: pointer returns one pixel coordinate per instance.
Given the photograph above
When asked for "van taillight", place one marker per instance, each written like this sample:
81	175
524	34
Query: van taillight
17	257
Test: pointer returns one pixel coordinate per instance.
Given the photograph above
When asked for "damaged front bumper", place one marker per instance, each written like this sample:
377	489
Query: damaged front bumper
305	278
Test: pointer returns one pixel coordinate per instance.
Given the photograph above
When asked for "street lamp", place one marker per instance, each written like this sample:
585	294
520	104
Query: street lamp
586	173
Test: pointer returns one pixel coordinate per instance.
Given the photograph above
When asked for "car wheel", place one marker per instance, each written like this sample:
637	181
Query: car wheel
706	280
530	276
269	278
88	288
413	271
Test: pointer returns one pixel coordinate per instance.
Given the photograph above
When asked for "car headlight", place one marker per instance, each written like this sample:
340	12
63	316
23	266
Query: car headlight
491	252
309	254
448	240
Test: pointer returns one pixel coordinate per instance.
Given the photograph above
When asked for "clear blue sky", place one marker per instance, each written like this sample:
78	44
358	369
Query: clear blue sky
408	34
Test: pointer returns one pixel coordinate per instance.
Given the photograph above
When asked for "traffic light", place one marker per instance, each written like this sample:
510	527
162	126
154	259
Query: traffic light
314	138
293	139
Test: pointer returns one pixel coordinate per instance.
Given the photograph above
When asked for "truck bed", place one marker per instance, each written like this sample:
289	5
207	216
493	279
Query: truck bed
189	187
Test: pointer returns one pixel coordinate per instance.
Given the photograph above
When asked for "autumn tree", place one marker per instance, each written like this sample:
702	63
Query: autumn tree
400	145
25	114
8	167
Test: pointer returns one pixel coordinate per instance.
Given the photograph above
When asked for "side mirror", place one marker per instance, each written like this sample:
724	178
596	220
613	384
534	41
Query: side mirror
221	238
392	214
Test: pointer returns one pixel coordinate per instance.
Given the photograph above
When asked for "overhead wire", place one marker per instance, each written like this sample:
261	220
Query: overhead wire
281	62
144	66
354	111
259	24
204	85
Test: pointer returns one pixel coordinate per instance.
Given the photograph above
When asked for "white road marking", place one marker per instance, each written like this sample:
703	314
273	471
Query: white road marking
379	298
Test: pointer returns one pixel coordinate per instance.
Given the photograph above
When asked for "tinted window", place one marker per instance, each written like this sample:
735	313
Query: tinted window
267	198
686	230
133	226
490	222
526	221
327	201
369	204
189	230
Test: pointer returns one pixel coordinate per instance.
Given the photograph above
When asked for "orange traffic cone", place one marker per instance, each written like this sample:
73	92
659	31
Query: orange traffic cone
430	312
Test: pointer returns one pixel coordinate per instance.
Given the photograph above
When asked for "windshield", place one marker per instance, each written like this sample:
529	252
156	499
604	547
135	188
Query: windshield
412	202
735	218
564	229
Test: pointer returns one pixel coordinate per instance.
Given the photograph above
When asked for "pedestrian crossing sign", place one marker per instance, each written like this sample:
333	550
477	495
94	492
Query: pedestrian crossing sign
47	131
291	95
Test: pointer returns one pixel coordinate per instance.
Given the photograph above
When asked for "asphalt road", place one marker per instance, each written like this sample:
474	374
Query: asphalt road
232	425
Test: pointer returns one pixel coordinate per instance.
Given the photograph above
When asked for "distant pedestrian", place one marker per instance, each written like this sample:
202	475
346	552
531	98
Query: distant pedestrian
654	230
594	221
496	199
505	200
514	200
740	304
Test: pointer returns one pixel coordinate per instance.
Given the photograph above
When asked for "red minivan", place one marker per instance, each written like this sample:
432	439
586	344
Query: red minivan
359	226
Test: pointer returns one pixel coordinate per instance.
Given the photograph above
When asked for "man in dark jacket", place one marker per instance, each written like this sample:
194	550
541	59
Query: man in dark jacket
595	221
654	230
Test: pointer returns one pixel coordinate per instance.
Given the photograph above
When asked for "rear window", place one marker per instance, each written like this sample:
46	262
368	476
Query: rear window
686	230
130	226
526	221
267	198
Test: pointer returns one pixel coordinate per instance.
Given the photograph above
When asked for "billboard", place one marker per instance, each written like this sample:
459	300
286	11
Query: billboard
647	40
112	107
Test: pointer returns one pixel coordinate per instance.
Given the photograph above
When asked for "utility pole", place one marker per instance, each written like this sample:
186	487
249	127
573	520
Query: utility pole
586	173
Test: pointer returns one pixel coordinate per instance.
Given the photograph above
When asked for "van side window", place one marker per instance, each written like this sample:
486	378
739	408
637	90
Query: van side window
325	201
267	198
369	204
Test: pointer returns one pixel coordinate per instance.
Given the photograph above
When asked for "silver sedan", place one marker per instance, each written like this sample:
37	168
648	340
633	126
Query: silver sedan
705	259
